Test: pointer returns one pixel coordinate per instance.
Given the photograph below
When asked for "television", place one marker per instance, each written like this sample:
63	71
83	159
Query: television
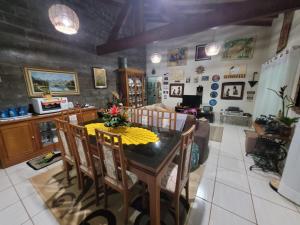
192	101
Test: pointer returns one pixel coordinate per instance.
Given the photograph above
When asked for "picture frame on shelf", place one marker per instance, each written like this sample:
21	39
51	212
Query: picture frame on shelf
200	53
100	78
56	82
176	90
233	90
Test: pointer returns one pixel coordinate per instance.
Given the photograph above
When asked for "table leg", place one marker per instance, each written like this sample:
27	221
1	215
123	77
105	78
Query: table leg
154	196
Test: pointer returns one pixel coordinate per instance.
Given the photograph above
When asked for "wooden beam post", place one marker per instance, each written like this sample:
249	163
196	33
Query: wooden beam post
226	16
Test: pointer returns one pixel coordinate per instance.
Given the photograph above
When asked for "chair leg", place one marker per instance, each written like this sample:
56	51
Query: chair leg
125	205
96	190
177	210
105	196
80	186
67	168
187	191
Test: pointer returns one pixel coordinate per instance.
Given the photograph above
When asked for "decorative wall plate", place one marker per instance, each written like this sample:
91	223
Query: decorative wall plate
212	102
215	78
213	94
214	86
200	69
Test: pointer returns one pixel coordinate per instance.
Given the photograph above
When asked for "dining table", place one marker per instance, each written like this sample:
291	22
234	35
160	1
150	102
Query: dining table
149	162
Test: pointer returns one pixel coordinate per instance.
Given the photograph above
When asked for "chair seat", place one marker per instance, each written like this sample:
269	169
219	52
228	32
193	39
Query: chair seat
132	179
168	181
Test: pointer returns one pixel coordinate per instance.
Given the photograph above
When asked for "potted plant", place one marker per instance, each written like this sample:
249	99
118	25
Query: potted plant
116	117
287	103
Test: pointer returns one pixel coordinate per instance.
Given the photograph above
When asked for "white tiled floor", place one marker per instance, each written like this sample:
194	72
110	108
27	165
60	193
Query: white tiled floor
232	194
229	194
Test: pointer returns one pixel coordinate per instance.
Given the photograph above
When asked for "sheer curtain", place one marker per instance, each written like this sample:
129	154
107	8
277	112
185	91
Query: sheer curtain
277	72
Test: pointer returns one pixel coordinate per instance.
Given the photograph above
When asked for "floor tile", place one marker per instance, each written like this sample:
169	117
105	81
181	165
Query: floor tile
44	218
2	172
234	201
206	189
13	169
13	215
33	204
262	189
199	213
28	222
233	179
212	159
259	174
210	171
58	163
231	164
24	174
220	216
8	197
25	189
268	213
4	182
231	154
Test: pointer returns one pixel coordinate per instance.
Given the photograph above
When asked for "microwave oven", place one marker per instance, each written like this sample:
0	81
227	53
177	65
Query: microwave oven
45	105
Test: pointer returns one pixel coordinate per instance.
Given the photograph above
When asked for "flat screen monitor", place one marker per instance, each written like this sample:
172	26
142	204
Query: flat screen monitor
193	101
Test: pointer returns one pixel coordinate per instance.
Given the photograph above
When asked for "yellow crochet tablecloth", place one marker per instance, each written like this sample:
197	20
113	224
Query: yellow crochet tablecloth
130	135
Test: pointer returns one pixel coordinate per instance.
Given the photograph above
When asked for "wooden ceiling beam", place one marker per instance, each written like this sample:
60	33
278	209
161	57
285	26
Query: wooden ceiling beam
228	15
121	19
260	23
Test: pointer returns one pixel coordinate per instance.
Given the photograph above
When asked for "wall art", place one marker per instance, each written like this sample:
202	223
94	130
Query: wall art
176	90
250	95
215	78
241	48
236	71
233	90
188	80
200	69
285	30
213	102
253	82
200	53
99	77
177	75
196	80
177	57
213	94
58	82
204	78
214	86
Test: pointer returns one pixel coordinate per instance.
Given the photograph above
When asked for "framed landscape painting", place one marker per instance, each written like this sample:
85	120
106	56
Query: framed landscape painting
57	82
100	77
177	57
242	48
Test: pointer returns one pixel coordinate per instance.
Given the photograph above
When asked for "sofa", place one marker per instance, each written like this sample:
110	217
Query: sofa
201	133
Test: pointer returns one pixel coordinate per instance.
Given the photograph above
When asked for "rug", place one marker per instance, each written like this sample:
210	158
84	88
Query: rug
216	133
71	206
44	160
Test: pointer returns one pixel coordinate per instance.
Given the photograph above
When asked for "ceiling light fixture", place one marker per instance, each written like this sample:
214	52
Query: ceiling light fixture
155	58
64	19
212	49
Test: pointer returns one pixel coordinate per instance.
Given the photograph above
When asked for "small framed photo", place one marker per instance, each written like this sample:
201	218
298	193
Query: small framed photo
100	77
176	90
233	90
188	80
200	53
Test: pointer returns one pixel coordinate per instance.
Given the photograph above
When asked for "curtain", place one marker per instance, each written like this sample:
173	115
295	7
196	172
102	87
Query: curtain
277	72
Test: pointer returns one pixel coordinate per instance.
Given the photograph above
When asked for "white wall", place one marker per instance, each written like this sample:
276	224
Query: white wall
214	66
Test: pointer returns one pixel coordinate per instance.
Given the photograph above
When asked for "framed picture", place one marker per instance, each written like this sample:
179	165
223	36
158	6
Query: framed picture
285	30
177	57
176	90
200	53
100	77
58	82
233	90
241	48
188	80
204	78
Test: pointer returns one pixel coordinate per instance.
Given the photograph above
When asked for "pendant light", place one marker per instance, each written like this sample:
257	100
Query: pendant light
213	48
155	58
64	19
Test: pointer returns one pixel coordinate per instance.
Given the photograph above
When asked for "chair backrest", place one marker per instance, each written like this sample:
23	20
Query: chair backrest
131	112
110	149
166	119
63	132
82	149
185	154
73	116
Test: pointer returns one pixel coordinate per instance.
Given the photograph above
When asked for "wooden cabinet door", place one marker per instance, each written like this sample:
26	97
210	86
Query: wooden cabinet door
18	141
89	115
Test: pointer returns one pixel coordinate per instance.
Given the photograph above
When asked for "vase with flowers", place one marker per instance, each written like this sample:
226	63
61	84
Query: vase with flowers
116	117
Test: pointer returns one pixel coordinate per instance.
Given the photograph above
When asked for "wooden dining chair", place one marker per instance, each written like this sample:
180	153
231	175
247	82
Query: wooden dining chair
67	153
131	112
88	164
166	119
73	116
114	173
177	175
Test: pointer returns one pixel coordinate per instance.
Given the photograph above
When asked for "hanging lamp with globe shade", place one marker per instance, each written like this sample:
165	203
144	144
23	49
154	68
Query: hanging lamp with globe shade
64	19
212	49
155	58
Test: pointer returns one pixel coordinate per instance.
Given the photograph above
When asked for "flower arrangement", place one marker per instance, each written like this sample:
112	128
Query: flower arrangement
287	103
116	117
